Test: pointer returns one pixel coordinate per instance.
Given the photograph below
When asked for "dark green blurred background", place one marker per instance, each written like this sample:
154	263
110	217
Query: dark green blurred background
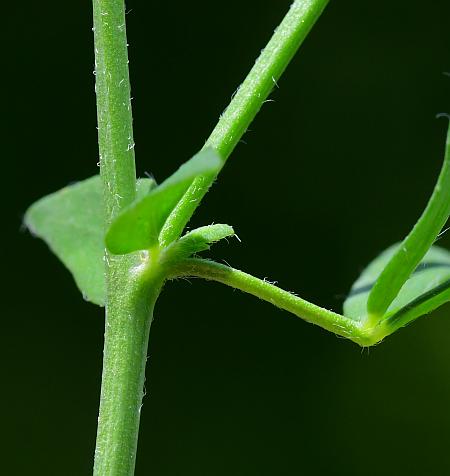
336	169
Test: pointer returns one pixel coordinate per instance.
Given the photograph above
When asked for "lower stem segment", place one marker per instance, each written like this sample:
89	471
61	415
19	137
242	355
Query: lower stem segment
128	318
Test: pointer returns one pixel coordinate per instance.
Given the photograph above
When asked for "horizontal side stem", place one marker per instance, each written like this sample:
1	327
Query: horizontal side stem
262	289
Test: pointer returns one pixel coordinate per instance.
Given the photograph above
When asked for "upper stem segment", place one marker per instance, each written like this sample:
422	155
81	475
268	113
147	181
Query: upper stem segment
112	85
248	100
264	75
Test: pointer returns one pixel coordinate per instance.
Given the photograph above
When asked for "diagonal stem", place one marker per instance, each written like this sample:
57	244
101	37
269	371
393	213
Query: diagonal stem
248	100
414	247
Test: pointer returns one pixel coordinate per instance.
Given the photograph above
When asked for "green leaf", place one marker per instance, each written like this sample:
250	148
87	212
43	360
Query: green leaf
139	225
427	288
415	245
70	221
197	240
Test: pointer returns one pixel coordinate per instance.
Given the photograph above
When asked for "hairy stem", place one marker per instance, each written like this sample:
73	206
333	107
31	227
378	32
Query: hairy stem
264	75
248	100
114	116
133	286
126	339
262	289
130	292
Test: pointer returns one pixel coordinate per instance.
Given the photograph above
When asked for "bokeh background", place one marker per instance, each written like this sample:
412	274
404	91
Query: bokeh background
336	169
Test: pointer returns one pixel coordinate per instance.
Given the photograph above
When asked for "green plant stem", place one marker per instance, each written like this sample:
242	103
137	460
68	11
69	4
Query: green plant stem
114	116
264	75
130	289
247	101
414	246
126	339
262	289
133	286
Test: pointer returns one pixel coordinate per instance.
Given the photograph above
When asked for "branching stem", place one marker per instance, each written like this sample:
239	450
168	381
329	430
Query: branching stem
133	282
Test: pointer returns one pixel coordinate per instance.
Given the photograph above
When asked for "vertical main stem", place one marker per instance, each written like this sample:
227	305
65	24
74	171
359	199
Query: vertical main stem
126	339
115	123
130	294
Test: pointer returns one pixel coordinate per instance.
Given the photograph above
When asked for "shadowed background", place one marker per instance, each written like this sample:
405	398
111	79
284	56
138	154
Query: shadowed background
337	168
